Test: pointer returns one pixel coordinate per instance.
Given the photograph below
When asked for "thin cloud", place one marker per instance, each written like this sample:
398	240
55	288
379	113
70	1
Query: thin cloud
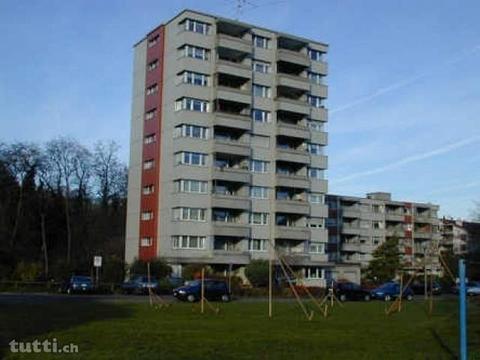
408	81
411	159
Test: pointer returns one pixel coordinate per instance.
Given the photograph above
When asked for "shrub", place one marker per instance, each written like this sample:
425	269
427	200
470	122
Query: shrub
194	271
27	271
113	269
158	268
257	273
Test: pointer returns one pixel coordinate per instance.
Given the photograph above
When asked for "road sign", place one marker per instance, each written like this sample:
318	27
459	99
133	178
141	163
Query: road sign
97	261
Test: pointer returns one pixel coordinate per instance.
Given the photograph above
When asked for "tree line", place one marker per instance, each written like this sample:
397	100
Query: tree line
61	203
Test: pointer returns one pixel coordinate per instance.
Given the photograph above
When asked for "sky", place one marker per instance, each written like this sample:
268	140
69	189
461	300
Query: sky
404	82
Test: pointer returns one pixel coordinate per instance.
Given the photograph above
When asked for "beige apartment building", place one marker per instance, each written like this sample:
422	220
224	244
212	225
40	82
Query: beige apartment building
227	156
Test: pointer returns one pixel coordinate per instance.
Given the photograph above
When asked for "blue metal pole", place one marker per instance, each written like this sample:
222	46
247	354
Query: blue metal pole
463	310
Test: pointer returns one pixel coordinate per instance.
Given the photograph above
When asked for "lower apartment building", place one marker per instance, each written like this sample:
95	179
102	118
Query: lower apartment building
358	225
227	144
459	237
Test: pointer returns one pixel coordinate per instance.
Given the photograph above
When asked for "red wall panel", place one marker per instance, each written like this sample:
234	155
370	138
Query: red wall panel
152	151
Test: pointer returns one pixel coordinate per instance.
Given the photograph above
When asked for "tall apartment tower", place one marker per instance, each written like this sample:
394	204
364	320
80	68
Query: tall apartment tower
227	146
357	226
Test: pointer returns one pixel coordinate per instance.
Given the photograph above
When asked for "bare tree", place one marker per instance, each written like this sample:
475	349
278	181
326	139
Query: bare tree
107	169
67	165
20	159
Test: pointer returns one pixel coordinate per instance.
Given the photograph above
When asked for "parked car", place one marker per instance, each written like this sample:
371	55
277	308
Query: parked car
78	284
214	290
139	285
419	288
351	291
391	290
473	288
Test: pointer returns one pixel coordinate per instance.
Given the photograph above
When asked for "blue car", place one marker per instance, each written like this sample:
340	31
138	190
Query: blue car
139	285
214	290
391	290
78	284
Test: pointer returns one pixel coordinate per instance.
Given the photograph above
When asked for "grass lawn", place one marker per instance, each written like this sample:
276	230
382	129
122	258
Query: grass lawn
241	331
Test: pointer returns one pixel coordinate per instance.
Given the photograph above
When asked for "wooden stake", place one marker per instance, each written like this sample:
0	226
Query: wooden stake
430	308
270	287
148	284
401	293
202	290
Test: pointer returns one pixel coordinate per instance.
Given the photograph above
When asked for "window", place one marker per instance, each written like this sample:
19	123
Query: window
196	26
149	139
191	186
153	41
315	173
315	198
191	104
258	192
317	248
190	158
258	218
147	215
257	245
315	55
188	242
262	116
190	214
315	125
315	149
152	65
261	91
315	78
260	41
314	272
146	241
148	164
194	78
258	166
149	115
261	66
192	131
152	89
195	52
376	240
148	189
378	225
315	101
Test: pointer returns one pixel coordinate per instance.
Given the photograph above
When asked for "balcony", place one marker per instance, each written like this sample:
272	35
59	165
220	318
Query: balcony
295	106
237	121
319	114
292	233
320	67
292	155
234	95
319	90
234	43
293	81
294	57
351	212
319	137
297	131
395	216
295	181
231	147
230	202
293	207
231	229
241	175
243	70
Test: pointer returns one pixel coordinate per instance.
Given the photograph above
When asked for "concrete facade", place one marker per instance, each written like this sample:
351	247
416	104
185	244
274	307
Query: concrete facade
357	226
240	137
